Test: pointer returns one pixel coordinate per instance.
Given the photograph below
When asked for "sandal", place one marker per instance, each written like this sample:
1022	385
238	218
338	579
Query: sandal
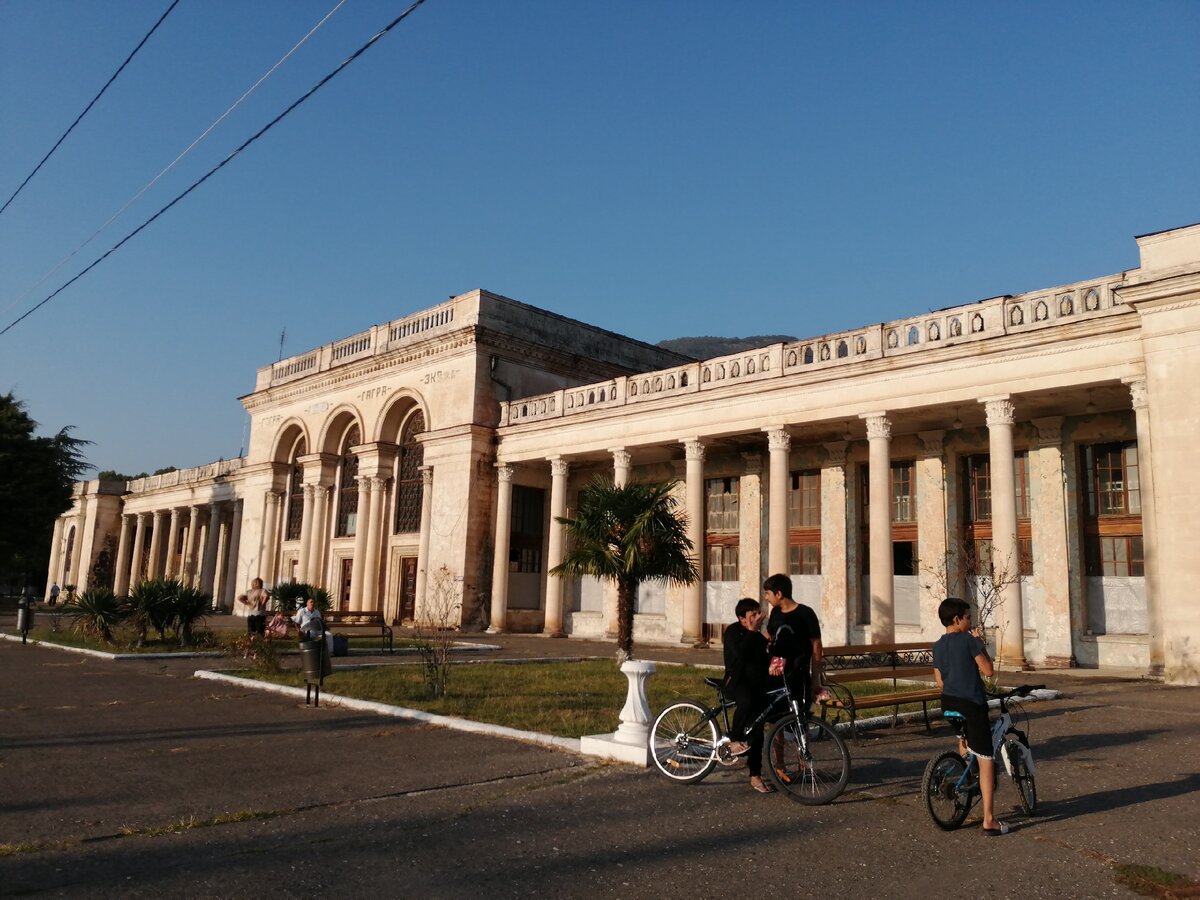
762	787
738	748
1001	828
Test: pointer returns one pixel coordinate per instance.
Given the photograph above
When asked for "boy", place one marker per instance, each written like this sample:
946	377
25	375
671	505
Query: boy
795	633
746	684
959	659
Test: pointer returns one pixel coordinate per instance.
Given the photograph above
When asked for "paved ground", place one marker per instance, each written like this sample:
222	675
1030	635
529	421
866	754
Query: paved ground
94	755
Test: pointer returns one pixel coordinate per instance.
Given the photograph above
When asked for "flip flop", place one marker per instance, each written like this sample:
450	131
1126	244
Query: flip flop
742	752
762	787
992	832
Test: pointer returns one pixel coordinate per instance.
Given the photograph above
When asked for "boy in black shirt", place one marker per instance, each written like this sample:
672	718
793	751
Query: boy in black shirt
959	658
746	684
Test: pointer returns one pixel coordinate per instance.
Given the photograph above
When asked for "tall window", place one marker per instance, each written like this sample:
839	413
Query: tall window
804	523
721	533
295	496
1113	520
977	511
408	475
347	519
903	508
527	533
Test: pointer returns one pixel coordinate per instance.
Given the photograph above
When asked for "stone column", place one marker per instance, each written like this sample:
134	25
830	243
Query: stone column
693	594
306	523
836	611
370	595
750	518
318	538
622	463
932	537
423	541
559	470
171	567
154	565
231	554
883	598
192	550
1006	566
1048	521
121	570
139	544
360	544
54	573
269	550
779	442
212	539
1150	547
504	477
78	577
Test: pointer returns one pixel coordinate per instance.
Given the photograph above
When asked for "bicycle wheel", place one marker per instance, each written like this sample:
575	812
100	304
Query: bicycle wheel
1022	778
683	741
809	762
948	802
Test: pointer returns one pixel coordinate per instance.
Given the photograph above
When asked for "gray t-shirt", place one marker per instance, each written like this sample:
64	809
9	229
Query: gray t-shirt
954	656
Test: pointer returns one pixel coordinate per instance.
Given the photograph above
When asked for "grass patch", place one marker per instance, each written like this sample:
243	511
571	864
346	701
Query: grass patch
192	822
125	640
1150	881
567	699
25	847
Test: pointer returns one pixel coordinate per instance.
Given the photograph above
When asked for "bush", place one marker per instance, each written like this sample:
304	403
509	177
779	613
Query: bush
97	612
288	596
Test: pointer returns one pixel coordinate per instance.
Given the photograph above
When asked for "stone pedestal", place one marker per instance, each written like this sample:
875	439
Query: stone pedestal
629	743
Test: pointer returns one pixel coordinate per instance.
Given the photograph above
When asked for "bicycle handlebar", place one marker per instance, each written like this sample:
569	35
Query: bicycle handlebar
1023	690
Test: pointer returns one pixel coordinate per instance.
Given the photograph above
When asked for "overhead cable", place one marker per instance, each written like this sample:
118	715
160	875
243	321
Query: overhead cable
90	105
153	181
320	84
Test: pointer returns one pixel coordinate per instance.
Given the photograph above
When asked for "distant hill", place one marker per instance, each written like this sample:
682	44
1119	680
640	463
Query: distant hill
708	347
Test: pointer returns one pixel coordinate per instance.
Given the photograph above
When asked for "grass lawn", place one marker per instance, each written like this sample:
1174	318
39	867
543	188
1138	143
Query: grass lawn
567	699
125	638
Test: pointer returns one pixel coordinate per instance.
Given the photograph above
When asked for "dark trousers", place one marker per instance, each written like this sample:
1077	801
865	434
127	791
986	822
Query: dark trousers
256	624
749	704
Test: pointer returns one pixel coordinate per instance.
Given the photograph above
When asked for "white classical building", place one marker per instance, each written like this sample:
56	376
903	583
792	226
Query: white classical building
1046	438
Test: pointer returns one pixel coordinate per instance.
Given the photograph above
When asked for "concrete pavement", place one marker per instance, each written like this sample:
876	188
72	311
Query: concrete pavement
97	758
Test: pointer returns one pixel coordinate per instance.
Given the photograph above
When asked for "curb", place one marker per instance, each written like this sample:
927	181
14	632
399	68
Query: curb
571	745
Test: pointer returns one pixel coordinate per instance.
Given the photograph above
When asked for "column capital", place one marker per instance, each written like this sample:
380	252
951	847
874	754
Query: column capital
310	491
1138	391
778	439
879	426
1000	410
427	475
559	467
504	472
622	458
934	441
836	452
1049	430
753	463
273	496
378	482
693	449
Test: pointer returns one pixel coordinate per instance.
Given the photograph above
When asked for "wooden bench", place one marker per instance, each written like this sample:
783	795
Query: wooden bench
370	621
877	662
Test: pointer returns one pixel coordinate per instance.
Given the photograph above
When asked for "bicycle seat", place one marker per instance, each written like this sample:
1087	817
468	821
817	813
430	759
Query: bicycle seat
957	721
714	683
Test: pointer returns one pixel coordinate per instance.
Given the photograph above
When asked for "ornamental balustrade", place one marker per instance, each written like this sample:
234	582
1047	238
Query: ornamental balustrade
207	472
986	319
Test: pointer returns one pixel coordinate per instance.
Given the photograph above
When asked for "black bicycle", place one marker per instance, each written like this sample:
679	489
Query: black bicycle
806	758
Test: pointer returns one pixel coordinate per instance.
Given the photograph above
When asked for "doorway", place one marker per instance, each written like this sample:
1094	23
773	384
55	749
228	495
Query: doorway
408	588
344	585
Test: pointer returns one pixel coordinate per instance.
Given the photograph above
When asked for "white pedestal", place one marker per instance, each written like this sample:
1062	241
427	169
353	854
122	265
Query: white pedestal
629	743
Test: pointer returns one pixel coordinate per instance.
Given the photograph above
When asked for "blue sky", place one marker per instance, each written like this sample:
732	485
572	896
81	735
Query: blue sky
659	168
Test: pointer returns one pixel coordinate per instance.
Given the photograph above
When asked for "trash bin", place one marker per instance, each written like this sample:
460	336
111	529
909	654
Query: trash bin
314	661
341	645
24	617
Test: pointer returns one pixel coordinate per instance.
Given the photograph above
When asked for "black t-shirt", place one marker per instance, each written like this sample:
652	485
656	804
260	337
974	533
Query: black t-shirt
792	635
745	660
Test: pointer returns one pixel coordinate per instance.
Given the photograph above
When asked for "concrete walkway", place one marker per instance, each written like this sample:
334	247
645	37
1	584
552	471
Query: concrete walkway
98	758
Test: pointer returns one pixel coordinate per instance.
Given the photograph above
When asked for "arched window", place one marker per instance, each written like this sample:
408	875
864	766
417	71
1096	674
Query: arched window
408	475
295	496
347	519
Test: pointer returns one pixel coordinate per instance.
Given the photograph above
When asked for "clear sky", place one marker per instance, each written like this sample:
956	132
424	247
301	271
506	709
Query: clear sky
656	167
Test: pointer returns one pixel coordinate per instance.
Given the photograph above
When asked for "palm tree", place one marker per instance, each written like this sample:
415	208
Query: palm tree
96	612
628	534
190	607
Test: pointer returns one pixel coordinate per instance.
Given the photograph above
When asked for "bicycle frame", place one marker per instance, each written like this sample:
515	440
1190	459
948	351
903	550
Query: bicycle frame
1001	728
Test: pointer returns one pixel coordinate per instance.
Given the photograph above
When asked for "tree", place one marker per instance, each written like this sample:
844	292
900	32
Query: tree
37	476
628	535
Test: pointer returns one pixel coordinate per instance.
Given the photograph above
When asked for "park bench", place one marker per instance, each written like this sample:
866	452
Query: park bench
878	662
371	622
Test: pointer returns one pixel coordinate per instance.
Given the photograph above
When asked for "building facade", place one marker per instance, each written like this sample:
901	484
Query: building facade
1032	451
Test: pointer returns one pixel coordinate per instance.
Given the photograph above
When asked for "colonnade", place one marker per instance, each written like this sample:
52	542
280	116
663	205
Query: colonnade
999	414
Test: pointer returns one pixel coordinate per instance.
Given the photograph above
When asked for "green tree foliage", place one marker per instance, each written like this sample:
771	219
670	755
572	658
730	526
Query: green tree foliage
96	612
291	595
628	535
37	475
114	475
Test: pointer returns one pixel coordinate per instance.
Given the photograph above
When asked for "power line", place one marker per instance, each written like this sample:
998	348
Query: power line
320	84
153	181
90	105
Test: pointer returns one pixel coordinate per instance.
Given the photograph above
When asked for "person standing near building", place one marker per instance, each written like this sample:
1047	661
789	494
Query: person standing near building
746	683
795	633
255	601
54	590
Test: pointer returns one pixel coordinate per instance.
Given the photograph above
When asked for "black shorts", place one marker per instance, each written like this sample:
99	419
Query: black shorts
256	624
979	729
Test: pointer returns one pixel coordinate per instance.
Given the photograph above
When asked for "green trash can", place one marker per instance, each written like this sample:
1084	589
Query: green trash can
314	661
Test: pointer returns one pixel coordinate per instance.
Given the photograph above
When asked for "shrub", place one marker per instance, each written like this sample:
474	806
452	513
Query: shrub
97	612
